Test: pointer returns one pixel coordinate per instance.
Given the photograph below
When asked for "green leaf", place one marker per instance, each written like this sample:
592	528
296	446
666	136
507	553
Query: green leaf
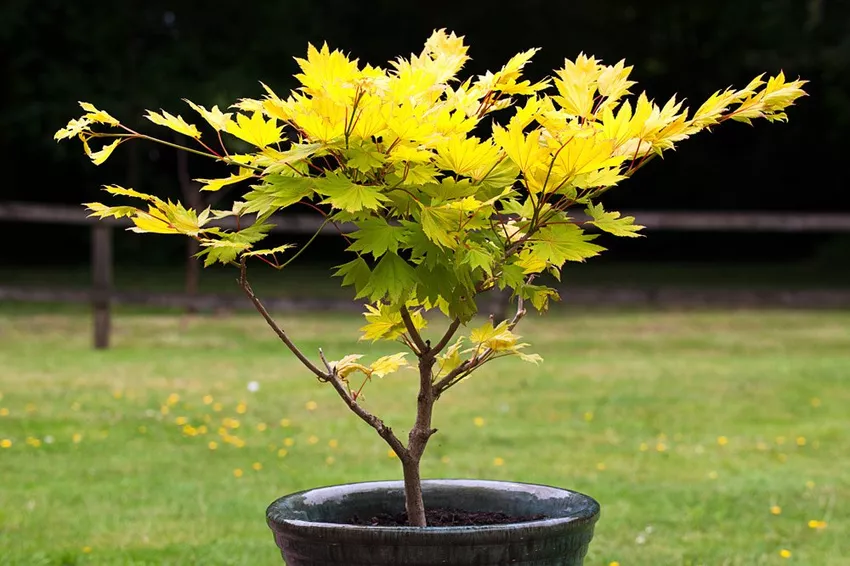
558	243
392	278
276	192
345	194
502	175
355	272
376	237
512	276
612	223
270	251
364	158
540	295
477	257
440	225
449	189
295	154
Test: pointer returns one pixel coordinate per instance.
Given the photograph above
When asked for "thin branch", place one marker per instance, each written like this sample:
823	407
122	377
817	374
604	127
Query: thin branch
446	337
421	347
243	282
383	430
325	361
478	360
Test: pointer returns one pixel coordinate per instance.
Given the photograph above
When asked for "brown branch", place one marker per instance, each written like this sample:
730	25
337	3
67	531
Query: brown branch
476	361
243	282
446	337
383	430
421	347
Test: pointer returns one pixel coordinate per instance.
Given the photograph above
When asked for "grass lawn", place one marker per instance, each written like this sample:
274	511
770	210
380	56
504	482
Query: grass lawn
709	438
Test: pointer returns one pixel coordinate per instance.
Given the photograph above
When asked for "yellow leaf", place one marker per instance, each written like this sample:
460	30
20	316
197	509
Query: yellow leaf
97	116
215	117
348	365
388	364
382	323
525	151
176	123
497	338
451	359
255	130
98	157
465	156
217	184
73	128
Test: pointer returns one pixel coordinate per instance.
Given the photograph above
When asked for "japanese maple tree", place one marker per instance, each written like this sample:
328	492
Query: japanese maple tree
455	187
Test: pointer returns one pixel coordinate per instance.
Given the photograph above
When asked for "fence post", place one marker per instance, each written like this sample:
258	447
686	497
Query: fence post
101	283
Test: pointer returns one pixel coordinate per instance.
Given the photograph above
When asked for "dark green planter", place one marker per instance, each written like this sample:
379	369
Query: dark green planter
307	527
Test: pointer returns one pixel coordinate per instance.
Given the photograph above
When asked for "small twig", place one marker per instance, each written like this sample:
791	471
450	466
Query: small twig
325	361
478	360
243	282
421	347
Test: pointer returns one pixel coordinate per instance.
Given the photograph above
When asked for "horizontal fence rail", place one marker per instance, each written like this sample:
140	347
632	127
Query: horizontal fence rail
653	220
102	294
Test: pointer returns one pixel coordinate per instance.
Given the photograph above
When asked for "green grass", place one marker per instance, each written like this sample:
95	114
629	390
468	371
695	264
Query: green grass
628	407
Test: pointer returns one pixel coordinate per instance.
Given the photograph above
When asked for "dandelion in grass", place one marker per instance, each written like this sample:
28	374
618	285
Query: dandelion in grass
6	443
601	466
311	405
333	443
289	442
498	461
391	454
780	440
313	439
86	550
478	421
164	410
241	408
34	442
282	453
285	423
329	460
77	438
238	473
117	394
661	447
815	402
180	421
643	447
801	441
445	459
208	399
4	412
785	553
257	466
217	407
722	440
212	445
815	524
775	510
173	399
261	427
588	416
810	484
30	408
615	563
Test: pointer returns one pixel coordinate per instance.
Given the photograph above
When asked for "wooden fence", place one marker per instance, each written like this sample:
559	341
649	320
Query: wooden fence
102	293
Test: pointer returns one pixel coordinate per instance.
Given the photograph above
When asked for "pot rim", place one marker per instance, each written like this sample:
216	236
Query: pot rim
587	512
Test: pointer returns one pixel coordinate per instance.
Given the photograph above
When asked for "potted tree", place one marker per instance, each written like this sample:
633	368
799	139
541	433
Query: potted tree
455	188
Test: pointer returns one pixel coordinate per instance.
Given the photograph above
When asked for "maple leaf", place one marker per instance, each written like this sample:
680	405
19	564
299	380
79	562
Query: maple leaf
98	157
612	222
392	278
382	323
97	116
214	117
388	364
558	243
466	155
176	123
276	192
440	225
355	272
218	184
363	158
377	237
345	194
271	251
255	130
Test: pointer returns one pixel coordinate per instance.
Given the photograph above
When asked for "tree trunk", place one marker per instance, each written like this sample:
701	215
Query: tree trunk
413	503
417	441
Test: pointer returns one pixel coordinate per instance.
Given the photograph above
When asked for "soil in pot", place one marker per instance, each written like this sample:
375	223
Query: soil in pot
446	518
